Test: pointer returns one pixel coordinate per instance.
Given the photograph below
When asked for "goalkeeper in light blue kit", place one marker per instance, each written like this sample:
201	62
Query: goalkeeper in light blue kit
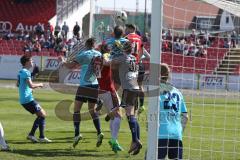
173	118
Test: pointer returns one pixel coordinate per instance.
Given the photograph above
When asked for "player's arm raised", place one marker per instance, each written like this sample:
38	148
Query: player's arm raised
70	65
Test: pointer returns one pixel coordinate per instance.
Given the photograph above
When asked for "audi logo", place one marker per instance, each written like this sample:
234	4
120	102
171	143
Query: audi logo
5	26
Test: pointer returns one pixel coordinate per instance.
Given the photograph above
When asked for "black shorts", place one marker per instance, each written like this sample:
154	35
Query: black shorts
141	73
88	93
130	98
32	107
171	147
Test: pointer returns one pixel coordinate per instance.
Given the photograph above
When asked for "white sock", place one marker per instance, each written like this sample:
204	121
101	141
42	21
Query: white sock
115	127
2	141
111	126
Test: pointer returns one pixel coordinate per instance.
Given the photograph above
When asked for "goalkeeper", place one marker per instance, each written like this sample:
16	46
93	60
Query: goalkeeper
173	118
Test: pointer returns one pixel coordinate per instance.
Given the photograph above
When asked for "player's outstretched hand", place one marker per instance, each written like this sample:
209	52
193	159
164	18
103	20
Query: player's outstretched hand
40	85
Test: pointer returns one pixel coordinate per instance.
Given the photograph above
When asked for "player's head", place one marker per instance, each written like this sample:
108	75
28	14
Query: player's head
118	32
90	43
104	48
127	47
130	28
165	71
26	61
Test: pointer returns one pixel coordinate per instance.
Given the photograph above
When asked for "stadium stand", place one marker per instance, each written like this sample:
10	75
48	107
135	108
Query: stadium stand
31	13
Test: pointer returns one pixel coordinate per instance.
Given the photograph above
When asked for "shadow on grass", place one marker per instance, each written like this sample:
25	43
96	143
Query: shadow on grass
60	152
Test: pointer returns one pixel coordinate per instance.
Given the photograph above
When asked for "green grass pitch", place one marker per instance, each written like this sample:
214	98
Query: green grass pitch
212	132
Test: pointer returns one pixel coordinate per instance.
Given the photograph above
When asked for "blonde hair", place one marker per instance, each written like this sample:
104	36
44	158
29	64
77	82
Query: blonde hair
165	71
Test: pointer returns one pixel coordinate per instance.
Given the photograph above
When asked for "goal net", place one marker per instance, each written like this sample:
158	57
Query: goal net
200	45
199	42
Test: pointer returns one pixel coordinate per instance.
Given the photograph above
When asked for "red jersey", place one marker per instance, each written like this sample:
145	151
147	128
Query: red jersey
136	41
105	82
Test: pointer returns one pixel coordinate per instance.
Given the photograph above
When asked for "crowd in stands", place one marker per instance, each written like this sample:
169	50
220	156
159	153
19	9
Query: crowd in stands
46	38
196	44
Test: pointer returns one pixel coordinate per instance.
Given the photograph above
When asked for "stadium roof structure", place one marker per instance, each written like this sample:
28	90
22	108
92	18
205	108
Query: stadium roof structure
232	7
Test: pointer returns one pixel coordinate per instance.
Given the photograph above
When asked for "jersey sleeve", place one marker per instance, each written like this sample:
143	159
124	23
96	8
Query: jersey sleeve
25	74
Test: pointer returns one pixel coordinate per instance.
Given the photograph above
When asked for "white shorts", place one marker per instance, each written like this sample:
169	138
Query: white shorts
109	101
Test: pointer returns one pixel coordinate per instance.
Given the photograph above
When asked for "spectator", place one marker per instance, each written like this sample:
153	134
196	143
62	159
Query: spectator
49	30
193	35
28	47
57	29
37	46
42	40
21	36
35	72
39	30
27	37
202	52
169	35
177	46
227	43
65	28
76	30
35	39
9	35
233	39
192	50
59	44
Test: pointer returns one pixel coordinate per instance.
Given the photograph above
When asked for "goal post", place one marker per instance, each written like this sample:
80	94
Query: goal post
153	109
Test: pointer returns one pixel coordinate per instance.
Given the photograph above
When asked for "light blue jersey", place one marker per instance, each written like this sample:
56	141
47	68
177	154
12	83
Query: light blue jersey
25	92
115	45
87	74
172	104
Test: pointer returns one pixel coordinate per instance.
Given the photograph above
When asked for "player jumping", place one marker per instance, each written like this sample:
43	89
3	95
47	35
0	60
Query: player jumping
110	100
88	89
128	73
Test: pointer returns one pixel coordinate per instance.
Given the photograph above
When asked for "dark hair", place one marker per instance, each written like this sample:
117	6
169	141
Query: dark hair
127	47
131	26
90	43
118	31
104	48
24	59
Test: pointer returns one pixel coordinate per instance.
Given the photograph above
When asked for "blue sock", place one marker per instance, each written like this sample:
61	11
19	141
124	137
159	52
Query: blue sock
34	127
41	126
76	123
96	122
138	130
97	125
133	127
